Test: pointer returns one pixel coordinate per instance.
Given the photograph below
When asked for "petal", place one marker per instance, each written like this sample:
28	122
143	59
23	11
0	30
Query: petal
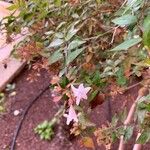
81	87
71	110
65	115
72	114
84	91
84	96
68	121
87	89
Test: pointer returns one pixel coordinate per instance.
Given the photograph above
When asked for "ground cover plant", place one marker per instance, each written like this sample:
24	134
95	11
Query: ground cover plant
89	44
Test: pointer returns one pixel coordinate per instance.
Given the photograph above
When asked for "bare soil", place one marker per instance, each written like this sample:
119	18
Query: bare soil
44	109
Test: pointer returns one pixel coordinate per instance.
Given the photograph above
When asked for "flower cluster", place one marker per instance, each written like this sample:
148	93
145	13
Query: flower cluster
79	93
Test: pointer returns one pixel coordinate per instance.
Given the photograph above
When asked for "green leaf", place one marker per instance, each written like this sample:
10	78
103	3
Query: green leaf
120	131
141	115
134	5
57	2
2	109
144	137
56	43
127	44
71	33
96	79
128	132
93	95
62	72
148	107
45	130
59	35
141	109
28	16
21	3
85	121
125	20
64	82
73	55
123	115
142	106
146	34
121	80
56	56
114	121
98	1
113	136
2	97
12	7
74	44
10	87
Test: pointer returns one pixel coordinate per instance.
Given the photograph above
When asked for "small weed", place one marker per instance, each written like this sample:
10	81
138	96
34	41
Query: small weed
10	87
45	130
2	98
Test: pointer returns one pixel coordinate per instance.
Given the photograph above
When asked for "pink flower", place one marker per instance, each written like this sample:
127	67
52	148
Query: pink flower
71	116
80	92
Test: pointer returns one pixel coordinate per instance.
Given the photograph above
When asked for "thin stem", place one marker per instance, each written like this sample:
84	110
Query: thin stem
97	36
57	116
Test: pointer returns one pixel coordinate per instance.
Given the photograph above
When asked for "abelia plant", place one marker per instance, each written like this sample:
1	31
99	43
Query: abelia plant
90	42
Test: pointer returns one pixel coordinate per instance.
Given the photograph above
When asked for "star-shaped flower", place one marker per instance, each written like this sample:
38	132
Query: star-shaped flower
71	116
80	92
